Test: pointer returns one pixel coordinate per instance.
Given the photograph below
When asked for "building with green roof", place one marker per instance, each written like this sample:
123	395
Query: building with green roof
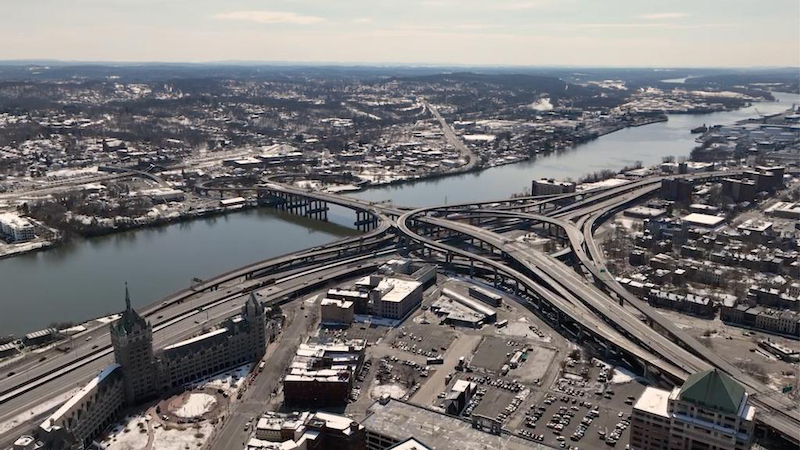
710	411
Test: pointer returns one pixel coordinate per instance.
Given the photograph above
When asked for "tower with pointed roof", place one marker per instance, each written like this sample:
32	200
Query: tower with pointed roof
255	315
132	339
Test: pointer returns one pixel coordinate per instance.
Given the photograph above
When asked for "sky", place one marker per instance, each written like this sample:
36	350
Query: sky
640	33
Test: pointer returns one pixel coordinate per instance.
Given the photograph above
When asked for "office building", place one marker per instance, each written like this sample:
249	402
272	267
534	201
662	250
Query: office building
337	311
710	411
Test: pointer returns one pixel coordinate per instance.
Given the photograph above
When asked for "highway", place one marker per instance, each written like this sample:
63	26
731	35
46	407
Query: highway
595	308
179	322
690	355
455	141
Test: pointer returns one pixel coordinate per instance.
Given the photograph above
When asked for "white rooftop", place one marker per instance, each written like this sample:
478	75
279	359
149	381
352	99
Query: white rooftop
197	338
398	289
653	401
66	407
705	220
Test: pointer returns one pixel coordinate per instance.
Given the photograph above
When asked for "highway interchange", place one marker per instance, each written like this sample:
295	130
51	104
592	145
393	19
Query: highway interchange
587	296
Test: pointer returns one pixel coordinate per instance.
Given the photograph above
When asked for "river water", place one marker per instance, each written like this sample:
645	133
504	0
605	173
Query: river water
85	278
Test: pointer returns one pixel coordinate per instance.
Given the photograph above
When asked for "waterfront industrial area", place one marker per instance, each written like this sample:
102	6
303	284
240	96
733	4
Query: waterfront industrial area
652	305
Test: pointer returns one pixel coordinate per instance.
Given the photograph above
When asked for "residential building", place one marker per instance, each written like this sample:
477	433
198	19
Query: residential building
551	187
16	228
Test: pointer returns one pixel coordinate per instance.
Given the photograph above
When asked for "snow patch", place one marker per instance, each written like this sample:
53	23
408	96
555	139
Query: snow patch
196	405
394	390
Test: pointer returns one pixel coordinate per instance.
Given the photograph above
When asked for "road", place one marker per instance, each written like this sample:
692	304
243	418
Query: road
253	403
455	141
578	222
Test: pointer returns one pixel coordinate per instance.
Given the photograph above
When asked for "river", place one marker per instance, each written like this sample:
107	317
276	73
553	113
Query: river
85	278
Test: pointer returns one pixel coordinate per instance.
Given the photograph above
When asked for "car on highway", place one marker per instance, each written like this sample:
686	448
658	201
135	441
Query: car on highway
11	374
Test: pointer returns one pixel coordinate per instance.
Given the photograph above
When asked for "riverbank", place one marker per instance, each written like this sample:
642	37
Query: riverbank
11	250
85	277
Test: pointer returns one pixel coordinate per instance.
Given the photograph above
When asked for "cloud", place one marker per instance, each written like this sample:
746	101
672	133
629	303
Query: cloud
362	20
519	5
269	17
663	16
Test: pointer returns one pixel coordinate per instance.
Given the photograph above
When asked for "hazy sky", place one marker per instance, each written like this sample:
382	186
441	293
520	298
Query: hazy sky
503	32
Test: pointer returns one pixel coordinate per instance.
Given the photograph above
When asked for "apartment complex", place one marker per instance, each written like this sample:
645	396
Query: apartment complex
711	411
16	228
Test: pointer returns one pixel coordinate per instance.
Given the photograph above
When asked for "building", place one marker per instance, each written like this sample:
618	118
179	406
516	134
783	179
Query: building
140	374
689	303
459	396
360	299
710	411
397	297
453	304
132	339
676	189
337	311
411	444
84	416
8	349
763	319
16	228
486	296
551	187
390	422
307	431
236	341
323	374
703	221
40	337
162	195
739	190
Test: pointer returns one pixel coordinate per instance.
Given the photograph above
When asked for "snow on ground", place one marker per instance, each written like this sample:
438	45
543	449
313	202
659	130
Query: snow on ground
611	182
229	381
36	410
128	435
177	439
169	438
109	319
394	390
196	405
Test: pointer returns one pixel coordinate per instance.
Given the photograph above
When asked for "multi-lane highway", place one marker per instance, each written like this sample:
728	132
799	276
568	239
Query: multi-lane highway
598	308
578	222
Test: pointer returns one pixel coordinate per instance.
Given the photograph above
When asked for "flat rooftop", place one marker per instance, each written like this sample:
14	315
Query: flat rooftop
399	289
399	420
704	220
653	401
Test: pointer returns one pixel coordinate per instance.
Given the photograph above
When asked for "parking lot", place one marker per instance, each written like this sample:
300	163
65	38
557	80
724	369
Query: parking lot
585	411
494	352
428	340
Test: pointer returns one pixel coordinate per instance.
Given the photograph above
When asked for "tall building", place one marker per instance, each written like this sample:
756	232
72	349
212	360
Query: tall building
711	411
550	187
132	339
